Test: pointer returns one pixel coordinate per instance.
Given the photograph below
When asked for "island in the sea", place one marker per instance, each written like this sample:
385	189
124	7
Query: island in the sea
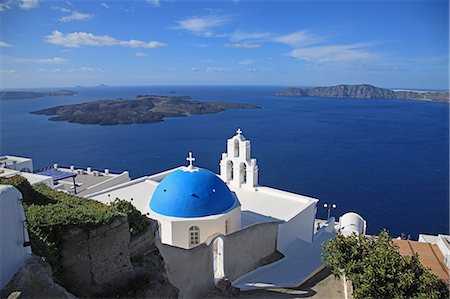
141	109
16	95
365	91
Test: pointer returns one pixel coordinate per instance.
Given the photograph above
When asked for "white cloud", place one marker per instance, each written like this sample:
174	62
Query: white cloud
298	39
77	39
28	4
243	46
200	45
88	69
23	4
213	69
61	9
334	53
246	61
155	3
201	25
140	54
105	5
76	16
239	36
5	45
8	71
53	60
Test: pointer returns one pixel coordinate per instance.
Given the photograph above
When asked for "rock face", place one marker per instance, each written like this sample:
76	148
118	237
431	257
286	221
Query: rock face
142	109
15	95
96	261
34	280
363	91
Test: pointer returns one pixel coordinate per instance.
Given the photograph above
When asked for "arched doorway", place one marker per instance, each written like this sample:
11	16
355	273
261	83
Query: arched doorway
218	268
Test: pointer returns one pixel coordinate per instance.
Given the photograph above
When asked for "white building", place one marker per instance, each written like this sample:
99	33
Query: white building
16	163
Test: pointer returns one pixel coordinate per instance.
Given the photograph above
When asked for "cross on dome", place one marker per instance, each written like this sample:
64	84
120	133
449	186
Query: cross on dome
191	159
239	131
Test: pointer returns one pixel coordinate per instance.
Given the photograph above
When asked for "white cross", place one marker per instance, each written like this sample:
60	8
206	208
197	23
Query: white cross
238	131
190	159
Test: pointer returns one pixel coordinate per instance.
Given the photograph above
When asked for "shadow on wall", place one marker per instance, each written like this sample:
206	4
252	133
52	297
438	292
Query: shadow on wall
193	271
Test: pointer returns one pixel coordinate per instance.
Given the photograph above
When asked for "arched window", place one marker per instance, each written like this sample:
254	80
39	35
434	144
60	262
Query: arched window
226	227
236	148
194	235
230	170
243	173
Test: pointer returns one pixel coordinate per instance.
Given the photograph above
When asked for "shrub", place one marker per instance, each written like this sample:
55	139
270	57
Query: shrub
30	196
138	222
377	270
50	214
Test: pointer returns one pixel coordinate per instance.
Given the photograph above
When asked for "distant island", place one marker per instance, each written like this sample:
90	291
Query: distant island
141	109
16	95
364	91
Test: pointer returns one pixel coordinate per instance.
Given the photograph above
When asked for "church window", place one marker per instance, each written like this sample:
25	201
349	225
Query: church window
230	170
243	173
226	227
194	234
236	148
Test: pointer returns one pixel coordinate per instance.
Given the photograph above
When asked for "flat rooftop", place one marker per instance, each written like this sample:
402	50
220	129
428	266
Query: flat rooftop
263	204
429	254
11	159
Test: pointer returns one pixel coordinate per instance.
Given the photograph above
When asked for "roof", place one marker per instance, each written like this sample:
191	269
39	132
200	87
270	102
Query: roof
191	192
56	174
429	254
264	204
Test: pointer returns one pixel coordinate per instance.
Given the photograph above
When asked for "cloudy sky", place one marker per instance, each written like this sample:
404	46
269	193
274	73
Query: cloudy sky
400	43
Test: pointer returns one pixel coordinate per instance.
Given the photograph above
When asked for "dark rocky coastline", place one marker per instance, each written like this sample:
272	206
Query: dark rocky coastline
364	91
142	109
16	95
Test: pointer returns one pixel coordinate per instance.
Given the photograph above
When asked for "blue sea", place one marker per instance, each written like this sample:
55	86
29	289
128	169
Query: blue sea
387	160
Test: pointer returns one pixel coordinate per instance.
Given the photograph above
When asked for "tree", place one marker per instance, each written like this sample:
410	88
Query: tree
377	270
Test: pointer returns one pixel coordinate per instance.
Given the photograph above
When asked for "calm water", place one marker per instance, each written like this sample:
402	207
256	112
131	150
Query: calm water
387	160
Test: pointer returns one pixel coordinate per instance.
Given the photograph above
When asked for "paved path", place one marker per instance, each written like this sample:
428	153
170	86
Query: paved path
323	285
302	260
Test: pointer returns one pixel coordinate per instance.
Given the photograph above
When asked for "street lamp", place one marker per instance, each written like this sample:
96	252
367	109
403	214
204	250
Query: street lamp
329	207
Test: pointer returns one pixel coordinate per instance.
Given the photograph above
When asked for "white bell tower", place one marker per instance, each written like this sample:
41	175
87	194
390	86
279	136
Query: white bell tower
236	167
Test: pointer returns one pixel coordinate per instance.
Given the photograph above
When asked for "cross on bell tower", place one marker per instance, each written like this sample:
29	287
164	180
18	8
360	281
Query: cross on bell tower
239	131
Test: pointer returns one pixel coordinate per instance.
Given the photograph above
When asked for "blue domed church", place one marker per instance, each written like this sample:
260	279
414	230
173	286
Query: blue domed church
227	225
191	204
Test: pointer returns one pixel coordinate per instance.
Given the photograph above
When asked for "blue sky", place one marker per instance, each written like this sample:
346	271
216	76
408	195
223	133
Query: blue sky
401	44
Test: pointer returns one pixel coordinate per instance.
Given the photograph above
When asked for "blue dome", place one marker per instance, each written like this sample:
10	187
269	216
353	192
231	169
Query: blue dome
196	193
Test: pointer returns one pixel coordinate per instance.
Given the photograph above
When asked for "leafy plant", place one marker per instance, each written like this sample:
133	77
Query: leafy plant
377	270
137	222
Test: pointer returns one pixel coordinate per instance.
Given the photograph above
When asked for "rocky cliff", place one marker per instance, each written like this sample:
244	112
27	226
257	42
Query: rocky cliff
363	91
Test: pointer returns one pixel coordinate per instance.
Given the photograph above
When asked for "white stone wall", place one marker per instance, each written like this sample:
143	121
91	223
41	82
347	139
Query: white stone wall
301	226
175	231
12	251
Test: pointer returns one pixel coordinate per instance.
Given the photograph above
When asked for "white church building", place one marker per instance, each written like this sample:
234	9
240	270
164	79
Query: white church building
230	220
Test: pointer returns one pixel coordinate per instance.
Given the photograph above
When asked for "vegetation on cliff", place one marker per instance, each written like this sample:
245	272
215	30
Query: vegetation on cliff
363	91
377	270
142	109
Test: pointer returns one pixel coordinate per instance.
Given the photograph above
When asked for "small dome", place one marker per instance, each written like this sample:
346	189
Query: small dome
191	193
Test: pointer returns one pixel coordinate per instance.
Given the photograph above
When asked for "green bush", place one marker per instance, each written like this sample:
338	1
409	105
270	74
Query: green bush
138	222
30	196
50	214
377	270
